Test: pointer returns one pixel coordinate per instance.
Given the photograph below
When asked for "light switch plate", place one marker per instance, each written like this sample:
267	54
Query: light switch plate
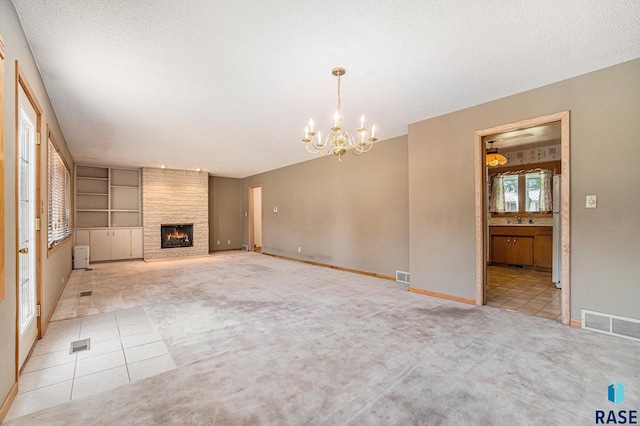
591	202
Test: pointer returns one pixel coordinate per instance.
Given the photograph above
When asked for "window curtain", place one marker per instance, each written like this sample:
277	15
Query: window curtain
496	202
546	198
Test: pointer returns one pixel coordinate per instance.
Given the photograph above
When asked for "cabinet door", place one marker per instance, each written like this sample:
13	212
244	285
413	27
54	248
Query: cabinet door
136	243
522	251
121	244
100	245
500	248
543	249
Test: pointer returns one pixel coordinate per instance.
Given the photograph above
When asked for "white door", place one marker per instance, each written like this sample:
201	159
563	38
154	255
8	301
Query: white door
28	327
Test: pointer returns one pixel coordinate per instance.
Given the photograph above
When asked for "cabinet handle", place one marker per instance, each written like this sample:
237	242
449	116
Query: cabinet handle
508	239
514	240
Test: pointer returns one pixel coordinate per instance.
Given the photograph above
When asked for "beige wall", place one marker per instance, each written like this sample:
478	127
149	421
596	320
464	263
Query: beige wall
225	213
605	242
352	214
56	266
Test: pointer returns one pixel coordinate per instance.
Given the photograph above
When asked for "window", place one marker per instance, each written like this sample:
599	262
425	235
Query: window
532	200
521	192
59	181
510	193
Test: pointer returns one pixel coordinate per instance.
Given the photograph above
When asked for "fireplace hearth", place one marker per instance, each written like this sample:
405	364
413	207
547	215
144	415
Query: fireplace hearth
174	236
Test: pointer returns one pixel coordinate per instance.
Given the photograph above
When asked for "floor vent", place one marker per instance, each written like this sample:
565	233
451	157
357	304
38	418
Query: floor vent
402	277
611	324
80	345
86	293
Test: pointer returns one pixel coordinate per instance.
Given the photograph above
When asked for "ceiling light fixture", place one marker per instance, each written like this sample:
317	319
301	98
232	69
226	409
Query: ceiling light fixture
493	158
338	140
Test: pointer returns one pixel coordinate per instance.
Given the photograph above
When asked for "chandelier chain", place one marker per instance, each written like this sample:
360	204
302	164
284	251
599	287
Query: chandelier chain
338	94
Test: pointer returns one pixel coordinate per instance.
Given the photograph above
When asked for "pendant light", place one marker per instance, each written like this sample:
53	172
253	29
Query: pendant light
493	158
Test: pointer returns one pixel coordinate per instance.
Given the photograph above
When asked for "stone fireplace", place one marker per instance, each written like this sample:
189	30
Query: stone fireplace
174	236
175	213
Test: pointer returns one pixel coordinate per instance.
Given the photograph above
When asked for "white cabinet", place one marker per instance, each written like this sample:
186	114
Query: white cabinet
111	243
108	212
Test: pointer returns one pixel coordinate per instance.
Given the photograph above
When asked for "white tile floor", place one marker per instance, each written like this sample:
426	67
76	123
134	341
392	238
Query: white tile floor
125	347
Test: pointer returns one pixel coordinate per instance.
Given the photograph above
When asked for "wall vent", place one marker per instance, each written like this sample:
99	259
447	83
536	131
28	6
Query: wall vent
402	277
245	247
611	324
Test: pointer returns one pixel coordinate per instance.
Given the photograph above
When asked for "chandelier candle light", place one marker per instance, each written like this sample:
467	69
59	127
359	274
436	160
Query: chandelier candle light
338	140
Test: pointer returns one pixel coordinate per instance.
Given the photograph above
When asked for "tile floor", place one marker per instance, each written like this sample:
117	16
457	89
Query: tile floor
523	290
125	347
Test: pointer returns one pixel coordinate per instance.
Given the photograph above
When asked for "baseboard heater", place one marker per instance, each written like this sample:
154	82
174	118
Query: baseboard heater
628	328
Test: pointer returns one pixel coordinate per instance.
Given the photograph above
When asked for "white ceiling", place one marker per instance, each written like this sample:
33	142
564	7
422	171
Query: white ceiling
229	86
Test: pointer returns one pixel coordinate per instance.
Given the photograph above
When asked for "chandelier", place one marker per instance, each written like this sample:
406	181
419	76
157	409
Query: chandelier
338	141
493	158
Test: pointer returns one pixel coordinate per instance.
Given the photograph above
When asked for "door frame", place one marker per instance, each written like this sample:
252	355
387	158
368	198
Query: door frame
23	83
251	216
2	229
480	204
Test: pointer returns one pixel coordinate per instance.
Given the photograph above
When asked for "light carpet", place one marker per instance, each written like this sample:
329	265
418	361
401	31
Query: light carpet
260	340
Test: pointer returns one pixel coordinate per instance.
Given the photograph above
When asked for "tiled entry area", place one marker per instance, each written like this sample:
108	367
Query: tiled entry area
125	347
523	290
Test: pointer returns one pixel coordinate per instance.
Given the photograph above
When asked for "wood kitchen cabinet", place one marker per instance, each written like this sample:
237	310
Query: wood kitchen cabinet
521	245
543	247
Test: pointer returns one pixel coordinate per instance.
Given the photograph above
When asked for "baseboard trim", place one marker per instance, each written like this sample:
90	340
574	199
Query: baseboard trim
576	323
442	295
340	268
232	249
8	401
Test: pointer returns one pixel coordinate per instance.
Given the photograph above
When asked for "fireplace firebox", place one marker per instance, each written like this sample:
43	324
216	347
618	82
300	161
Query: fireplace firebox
173	236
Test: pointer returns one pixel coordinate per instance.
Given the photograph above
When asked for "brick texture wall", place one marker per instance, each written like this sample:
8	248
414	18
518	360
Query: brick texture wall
174	197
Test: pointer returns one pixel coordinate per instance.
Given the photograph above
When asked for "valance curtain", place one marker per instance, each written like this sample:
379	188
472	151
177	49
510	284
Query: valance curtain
496	202
546	198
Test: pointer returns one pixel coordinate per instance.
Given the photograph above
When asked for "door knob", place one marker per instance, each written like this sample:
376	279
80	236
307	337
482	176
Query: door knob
24	250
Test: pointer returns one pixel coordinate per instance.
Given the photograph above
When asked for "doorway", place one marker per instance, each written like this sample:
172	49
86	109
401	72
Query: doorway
255	219
517	251
28	114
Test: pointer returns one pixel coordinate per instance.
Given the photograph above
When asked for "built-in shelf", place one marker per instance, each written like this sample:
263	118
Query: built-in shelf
107	197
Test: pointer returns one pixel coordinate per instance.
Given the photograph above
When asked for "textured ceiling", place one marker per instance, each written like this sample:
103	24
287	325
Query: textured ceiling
229	86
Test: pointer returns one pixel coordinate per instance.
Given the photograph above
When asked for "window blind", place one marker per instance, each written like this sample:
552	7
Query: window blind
59	180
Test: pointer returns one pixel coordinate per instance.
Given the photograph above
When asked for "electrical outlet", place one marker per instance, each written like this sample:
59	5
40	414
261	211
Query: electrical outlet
228	241
299	249
275	210
218	242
